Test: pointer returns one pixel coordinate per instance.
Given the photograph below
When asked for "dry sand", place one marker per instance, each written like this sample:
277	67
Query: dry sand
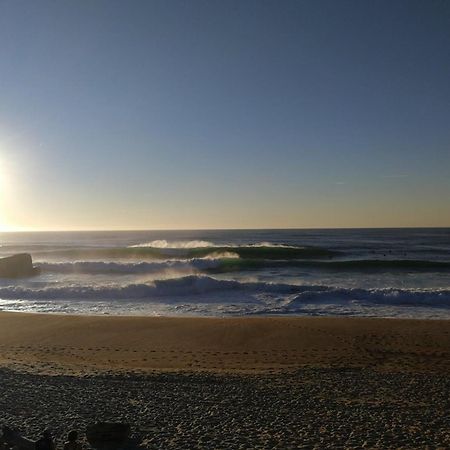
92	344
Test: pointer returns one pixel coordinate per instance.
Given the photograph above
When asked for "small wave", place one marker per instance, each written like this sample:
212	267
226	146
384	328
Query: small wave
386	296
369	265
385	264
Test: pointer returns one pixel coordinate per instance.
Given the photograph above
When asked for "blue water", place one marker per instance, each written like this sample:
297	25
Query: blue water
377	273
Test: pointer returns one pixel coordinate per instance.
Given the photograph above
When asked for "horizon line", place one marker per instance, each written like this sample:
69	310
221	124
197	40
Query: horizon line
104	230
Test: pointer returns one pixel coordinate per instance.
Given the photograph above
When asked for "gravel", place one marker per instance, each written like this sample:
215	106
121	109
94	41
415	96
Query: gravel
311	408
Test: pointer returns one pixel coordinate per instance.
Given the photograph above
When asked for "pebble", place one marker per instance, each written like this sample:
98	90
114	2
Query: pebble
310	408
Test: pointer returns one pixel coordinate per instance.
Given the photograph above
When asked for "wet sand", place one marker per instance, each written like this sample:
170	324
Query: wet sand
92	344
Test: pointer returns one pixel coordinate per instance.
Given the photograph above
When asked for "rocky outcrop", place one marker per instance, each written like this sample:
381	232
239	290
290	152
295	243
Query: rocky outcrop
107	436
15	266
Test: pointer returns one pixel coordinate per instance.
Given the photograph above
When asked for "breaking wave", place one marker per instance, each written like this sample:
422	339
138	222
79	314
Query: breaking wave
183	286
162	243
272	252
100	267
223	262
284	298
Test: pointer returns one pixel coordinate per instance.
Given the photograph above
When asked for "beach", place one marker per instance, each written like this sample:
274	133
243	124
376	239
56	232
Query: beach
231	339
62	344
223	225
233	382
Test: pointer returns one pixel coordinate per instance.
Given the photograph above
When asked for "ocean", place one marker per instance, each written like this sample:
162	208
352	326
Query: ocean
398	273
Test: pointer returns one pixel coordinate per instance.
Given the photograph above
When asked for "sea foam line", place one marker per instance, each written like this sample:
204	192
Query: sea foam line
164	244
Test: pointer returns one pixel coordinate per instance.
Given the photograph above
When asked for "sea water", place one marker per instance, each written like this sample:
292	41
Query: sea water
342	272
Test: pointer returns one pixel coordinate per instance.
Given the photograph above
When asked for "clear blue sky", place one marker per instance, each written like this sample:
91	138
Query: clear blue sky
198	114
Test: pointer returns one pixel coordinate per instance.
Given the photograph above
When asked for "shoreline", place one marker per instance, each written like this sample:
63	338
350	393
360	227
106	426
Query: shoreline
90	344
229	316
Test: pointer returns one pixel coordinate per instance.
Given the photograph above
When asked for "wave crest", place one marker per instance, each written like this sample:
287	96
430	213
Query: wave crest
162	243
140	253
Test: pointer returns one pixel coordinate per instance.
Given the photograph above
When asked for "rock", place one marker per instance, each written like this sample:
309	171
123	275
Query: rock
107	436
13	438
19	265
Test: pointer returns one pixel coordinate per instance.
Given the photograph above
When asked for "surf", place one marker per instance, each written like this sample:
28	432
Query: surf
192	286
142	253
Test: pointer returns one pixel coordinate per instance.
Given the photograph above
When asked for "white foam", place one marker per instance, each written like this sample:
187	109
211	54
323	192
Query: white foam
162	243
270	245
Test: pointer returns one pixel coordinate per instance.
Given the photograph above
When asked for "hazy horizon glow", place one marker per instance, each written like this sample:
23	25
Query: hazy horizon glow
209	114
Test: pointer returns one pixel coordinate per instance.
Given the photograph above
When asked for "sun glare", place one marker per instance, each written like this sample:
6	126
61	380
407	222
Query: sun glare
4	226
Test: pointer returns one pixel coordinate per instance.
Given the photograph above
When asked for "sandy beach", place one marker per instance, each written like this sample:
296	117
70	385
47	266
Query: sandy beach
92	344
232	383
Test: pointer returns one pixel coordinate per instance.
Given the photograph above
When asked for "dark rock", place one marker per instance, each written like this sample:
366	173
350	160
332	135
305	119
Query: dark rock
107	436
19	265
13	438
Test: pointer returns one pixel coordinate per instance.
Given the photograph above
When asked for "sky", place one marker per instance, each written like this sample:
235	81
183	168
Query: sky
224	114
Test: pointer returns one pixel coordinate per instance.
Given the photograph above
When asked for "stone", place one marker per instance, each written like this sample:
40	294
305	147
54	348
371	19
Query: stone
13	438
108	435
16	266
